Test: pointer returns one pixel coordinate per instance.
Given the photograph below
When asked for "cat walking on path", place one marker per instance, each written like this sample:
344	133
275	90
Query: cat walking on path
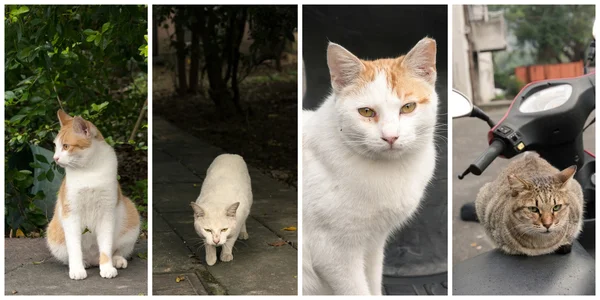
221	210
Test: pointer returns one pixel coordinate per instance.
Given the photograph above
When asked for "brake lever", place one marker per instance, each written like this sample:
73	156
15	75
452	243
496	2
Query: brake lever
465	173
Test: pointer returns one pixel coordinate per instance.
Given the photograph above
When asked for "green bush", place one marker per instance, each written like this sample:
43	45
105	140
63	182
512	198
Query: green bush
90	61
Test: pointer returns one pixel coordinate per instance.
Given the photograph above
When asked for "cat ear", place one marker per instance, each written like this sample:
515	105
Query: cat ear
344	67
198	211
63	117
565	175
420	60
517	184
82	127
232	209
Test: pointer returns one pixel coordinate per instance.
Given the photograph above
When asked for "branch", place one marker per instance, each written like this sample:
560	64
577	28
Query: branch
57	97
139	120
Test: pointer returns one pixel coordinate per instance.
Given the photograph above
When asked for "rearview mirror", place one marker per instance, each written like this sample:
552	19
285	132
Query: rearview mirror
459	105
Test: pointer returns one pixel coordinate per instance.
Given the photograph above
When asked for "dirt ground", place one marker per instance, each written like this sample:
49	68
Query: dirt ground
266	135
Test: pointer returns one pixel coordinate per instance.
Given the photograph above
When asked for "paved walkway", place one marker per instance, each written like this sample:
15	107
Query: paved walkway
179	166
30	269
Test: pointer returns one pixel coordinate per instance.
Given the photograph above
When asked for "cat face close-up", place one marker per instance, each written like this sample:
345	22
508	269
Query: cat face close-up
215	226
74	143
385	107
541	203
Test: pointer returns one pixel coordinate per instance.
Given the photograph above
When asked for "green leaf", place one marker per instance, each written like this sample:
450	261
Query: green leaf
50	175
16	118
105	27
98	39
90	38
21	10
41	158
90	32
9	95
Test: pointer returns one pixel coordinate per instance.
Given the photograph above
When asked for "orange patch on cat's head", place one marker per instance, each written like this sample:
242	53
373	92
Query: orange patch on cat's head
413	74
399	80
76	132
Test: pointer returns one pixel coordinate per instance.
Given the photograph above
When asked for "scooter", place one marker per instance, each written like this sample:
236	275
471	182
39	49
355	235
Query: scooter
547	117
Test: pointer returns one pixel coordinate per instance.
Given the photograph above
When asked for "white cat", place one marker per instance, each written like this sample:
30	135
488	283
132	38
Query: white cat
368	155
93	223
221	210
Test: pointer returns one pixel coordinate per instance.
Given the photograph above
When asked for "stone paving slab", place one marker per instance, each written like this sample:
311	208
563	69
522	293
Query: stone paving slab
31	270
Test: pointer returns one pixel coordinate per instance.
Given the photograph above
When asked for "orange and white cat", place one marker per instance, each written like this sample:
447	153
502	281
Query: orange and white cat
94	224
368	155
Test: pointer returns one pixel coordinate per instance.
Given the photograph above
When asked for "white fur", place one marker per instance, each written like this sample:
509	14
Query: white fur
92	196
357	189
227	182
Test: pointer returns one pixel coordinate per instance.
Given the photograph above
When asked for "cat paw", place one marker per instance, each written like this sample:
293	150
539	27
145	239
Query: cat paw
211	260
77	273
108	272
119	262
564	249
243	236
226	256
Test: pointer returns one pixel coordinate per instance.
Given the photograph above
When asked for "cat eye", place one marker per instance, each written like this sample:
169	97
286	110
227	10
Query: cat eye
557	207
366	112
224	229
207	230
534	209
408	107
65	147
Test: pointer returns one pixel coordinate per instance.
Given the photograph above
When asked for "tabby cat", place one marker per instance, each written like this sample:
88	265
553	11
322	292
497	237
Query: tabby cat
532	208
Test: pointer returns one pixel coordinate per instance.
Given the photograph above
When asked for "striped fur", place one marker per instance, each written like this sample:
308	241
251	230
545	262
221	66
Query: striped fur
517	212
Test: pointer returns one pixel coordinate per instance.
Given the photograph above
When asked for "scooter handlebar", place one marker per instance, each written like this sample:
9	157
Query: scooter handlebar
485	159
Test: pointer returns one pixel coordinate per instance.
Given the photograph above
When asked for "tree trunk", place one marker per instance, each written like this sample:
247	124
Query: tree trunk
241	26
180	47
155	38
195	58
217	87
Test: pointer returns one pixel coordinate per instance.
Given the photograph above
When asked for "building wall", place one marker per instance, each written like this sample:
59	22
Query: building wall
461	80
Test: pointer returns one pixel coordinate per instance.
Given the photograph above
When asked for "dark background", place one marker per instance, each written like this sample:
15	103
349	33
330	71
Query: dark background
372	32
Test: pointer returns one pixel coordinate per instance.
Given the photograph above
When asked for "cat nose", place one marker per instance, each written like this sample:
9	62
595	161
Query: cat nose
547	225
389	139
56	158
216	241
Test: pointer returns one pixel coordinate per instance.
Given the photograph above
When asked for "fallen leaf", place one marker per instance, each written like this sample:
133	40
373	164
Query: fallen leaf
14	292
37	262
291	228
278	243
473	244
19	233
478	248
179	278
142	255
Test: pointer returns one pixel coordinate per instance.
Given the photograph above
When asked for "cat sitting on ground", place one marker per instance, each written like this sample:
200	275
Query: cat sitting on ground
532	208
93	223
221	210
368	155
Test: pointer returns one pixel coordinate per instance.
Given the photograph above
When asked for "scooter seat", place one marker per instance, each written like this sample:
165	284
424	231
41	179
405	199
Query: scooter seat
495	273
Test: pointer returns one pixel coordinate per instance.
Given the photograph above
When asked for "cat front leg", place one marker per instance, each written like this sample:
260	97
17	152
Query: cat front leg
374	266
226	252
72	227
105	235
243	233
211	254
342	269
